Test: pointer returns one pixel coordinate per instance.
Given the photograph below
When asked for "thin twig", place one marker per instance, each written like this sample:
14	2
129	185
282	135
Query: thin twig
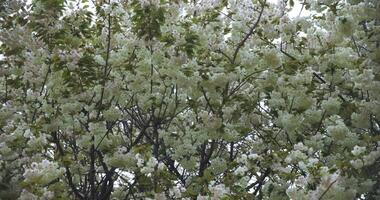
251	30
328	188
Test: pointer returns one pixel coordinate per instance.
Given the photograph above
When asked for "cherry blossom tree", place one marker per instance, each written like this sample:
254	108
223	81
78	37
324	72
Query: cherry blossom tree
189	99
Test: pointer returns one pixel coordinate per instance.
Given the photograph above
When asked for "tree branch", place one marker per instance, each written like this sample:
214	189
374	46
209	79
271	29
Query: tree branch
67	169
328	188
251	30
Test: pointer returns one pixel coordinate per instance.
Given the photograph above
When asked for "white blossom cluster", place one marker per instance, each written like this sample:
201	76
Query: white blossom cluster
205	99
43	172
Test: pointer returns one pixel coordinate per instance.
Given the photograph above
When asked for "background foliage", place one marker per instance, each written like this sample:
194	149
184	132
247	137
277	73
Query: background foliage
159	99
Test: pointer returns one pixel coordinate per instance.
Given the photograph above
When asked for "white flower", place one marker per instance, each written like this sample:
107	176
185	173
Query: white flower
161	166
43	172
47	194
240	170
272	58
243	181
276	100
300	146
218	165
150	166
358	150
360	120
28	134
294	156
219	191
301	180
345	25
313	116
253	156
331	106
152	162
302	165
112	114
357	164
100	60
289	122
371	157
242	159
140	160
175	191
26	195
200	197
312	161
160	196
99	129
70	108
296	193
338	131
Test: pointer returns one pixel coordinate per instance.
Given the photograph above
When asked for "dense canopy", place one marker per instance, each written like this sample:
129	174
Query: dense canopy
189	99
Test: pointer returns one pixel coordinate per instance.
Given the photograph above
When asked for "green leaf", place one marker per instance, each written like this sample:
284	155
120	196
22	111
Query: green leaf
291	3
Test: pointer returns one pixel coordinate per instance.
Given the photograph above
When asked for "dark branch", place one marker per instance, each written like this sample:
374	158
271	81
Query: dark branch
251	30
